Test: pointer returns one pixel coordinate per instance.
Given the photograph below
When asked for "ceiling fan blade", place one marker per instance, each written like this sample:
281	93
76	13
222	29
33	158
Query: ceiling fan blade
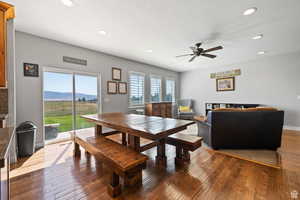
193	58
213	49
208	55
184	55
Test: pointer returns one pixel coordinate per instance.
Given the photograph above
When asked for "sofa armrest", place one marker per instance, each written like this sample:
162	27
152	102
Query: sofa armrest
204	131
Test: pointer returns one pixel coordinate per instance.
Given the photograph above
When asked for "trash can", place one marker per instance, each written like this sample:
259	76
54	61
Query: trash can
26	134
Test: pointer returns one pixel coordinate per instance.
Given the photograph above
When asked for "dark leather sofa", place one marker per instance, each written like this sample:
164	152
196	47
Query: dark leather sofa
242	130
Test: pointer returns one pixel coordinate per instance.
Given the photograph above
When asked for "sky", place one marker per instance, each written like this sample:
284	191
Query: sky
59	82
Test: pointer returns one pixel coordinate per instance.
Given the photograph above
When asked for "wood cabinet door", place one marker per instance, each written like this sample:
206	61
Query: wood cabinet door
169	110
163	108
148	109
156	109
2	49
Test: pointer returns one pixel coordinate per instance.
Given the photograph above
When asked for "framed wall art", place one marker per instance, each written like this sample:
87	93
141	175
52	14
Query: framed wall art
112	87
122	88
31	70
225	84
226	74
116	74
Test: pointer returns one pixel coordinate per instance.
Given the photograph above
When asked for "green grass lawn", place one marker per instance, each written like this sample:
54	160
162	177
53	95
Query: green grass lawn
65	122
60	112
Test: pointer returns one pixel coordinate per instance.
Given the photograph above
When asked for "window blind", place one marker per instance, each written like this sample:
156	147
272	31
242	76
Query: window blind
155	83
136	85
170	90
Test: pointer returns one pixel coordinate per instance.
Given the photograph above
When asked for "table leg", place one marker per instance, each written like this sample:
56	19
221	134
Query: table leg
98	130
77	152
134	142
161	158
124	139
88	155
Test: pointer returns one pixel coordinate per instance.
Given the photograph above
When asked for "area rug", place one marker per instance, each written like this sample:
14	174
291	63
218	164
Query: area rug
262	157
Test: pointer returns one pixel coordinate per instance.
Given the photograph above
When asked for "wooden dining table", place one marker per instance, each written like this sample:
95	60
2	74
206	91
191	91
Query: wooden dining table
133	127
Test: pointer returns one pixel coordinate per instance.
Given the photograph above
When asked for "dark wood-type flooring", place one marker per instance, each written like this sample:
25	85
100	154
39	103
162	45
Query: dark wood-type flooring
53	173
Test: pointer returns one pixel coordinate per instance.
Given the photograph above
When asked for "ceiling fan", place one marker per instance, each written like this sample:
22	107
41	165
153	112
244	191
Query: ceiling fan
197	51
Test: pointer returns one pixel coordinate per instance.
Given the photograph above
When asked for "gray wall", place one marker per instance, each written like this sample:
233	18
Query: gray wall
273	81
48	53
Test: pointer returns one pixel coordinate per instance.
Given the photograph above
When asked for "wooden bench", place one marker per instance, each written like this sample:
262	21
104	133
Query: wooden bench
184	143
121	160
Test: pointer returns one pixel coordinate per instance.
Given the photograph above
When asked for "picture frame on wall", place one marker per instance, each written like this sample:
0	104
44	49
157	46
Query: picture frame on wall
225	84
31	70
122	88
112	87
116	74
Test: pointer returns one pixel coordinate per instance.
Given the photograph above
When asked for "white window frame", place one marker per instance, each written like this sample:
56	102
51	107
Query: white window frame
170	79
160	89
129	92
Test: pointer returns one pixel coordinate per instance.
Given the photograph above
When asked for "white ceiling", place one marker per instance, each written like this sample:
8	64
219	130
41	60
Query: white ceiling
168	27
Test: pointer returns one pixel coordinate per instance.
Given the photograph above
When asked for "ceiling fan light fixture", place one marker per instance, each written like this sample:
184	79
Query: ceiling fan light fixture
250	11
257	37
68	3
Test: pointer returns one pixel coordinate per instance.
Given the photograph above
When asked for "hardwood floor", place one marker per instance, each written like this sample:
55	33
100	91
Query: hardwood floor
53	173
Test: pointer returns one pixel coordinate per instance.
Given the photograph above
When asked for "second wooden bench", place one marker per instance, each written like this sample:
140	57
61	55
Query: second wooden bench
184	143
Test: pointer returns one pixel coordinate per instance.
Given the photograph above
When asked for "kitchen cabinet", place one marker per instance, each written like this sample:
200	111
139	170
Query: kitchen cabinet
6	13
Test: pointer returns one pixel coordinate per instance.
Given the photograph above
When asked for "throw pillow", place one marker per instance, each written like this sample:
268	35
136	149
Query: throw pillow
184	109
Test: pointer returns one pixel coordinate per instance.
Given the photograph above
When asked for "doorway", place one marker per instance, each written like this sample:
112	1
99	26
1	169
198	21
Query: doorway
67	96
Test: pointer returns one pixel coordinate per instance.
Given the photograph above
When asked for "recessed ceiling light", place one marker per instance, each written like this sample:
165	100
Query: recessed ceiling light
250	11
261	52
68	3
102	32
257	37
149	51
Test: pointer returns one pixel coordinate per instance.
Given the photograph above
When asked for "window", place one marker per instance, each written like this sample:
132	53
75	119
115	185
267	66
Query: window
136	88
155	86
170	90
67	96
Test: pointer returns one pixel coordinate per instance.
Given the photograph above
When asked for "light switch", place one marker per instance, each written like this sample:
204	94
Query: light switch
298	97
106	100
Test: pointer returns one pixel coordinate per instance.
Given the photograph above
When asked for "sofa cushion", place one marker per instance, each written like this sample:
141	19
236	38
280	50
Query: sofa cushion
228	109
260	109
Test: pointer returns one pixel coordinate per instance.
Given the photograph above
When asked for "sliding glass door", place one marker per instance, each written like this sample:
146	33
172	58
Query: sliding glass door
67	96
86	99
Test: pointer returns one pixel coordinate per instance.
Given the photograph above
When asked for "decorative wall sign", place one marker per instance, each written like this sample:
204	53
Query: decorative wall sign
31	69
226	74
116	74
225	84
112	87
76	61
122	88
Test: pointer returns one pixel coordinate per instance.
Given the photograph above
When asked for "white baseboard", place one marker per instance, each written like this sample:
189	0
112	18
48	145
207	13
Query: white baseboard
293	128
